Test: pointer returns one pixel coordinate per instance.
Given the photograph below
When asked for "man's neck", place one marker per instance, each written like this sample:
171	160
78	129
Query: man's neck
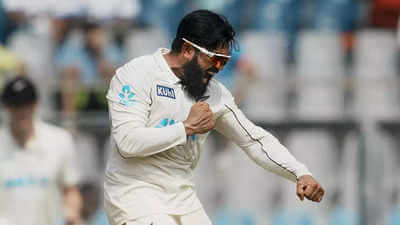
22	138
175	62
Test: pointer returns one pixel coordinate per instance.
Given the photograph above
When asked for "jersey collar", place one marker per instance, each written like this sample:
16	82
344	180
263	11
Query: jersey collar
163	65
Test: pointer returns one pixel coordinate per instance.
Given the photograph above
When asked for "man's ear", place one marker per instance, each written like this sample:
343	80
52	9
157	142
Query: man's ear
188	51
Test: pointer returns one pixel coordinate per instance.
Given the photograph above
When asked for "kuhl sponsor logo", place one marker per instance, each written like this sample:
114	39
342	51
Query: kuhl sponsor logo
165	91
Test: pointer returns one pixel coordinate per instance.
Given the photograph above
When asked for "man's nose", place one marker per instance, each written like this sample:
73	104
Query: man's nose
219	66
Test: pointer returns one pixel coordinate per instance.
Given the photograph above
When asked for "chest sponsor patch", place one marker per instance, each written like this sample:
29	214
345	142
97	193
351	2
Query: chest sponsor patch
165	91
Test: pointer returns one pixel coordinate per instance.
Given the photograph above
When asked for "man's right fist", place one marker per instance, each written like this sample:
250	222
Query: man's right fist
200	119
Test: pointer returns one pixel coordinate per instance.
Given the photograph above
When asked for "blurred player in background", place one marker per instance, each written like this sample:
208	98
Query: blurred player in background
36	163
162	108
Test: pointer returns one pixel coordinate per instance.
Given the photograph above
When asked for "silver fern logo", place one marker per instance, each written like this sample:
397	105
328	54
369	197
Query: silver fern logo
126	96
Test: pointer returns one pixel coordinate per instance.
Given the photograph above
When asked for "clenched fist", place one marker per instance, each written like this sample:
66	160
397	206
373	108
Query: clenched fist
308	187
200	119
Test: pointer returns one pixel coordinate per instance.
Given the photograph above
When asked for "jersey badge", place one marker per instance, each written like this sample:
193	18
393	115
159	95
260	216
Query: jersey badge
126	96
165	91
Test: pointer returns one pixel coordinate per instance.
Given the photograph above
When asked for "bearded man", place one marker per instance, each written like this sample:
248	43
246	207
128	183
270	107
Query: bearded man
162	107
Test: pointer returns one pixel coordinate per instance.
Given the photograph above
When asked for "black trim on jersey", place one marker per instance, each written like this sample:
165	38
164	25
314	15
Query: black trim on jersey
202	98
258	141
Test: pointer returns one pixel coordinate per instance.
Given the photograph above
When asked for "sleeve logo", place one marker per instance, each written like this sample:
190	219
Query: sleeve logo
165	91
165	122
126	96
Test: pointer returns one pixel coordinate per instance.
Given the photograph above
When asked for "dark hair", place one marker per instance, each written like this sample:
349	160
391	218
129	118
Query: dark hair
205	28
88	26
18	92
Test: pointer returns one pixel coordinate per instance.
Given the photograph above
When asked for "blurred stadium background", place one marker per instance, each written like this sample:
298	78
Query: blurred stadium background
322	75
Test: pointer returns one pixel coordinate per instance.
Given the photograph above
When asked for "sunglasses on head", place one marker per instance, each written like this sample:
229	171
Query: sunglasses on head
216	59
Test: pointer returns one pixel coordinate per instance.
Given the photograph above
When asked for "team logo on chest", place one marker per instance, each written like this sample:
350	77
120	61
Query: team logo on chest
165	91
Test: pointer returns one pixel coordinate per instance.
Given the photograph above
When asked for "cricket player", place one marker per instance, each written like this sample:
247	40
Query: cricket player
36	163
162	107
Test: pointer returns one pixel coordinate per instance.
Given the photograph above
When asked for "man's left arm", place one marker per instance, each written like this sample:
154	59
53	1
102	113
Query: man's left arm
73	205
70	180
265	150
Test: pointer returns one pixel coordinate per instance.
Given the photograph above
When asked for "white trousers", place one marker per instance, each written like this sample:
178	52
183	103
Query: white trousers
198	217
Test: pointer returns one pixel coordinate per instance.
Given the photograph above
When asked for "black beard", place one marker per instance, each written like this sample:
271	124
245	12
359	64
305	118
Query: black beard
192	80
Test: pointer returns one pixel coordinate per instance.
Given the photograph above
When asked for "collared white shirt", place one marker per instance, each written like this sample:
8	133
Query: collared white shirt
150	167
32	178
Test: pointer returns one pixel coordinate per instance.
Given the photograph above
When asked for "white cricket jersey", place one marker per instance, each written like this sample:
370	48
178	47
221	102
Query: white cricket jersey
32	178
150	167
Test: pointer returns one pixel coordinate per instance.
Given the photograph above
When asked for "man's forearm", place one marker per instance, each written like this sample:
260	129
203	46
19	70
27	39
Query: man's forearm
145	141
72	205
261	146
273	156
